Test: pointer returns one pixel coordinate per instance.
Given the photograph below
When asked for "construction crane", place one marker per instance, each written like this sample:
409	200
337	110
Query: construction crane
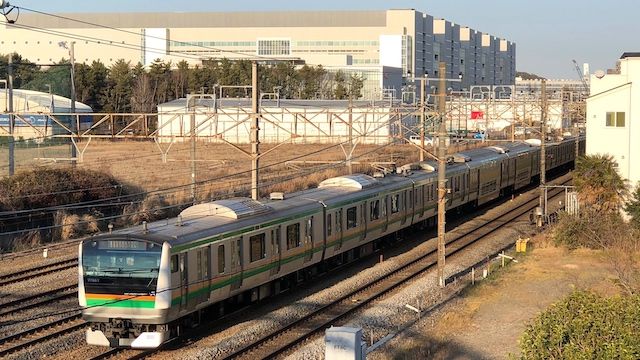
581	75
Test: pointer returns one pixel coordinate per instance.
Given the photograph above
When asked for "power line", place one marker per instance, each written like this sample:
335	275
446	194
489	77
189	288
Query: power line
251	55
99	41
177	188
275	181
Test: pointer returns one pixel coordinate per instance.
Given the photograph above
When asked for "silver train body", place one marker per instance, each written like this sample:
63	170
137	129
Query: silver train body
141	286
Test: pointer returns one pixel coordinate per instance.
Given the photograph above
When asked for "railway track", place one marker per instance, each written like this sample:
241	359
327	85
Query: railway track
41	299
37	271
35	335
288	337
38	250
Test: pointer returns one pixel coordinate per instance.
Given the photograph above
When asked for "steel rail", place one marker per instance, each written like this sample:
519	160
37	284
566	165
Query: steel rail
467	238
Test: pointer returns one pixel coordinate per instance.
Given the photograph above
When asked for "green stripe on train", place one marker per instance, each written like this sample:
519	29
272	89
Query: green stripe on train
141	304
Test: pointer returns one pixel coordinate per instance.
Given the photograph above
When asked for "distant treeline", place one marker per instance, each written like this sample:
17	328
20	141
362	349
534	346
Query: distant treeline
124	87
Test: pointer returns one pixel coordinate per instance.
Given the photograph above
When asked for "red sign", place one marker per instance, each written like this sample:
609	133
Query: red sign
477	115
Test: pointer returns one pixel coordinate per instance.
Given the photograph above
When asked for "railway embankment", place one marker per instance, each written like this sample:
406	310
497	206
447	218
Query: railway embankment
487	321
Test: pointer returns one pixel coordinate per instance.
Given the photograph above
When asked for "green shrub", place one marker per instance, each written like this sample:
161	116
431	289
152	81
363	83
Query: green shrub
46	188
589	229
585	326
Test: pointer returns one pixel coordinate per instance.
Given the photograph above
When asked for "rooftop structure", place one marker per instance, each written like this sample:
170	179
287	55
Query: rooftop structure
370	42
613	116
35	109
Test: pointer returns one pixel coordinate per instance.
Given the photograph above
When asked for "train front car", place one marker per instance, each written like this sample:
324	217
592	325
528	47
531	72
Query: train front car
125	291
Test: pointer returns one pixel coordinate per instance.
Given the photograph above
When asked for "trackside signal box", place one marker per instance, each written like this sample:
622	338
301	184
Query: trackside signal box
344	343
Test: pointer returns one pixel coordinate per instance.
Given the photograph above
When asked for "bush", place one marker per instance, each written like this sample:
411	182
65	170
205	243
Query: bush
585	326
589	230
44	188
633	207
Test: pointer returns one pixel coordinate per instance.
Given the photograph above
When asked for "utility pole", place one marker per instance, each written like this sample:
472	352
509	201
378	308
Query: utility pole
442	169
255	130
543	155
192	111
423	97
349	164
11	117
74	117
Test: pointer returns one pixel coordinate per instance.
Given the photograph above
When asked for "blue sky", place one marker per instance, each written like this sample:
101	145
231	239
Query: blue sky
548	33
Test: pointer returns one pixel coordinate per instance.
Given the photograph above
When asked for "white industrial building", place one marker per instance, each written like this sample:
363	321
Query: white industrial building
299	121
613	115
367	41
37	111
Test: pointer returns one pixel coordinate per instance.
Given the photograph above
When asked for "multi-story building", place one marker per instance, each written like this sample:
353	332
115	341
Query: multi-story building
371	42
613	116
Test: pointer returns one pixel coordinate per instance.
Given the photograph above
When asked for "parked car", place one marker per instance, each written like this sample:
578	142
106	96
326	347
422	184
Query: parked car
480	135
428	141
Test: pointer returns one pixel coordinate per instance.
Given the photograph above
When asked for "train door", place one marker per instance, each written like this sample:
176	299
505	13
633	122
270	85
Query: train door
404	206
206	272
363	219
339	230
236	263
308	240
276	253
423	200
385	213
184	281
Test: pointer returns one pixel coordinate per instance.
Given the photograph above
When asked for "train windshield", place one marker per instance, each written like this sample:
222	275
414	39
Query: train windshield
121	266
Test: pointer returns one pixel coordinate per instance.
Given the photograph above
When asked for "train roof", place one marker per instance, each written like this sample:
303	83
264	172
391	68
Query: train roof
212	219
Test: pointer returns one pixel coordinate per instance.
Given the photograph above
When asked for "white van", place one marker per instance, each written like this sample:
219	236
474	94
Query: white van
428	141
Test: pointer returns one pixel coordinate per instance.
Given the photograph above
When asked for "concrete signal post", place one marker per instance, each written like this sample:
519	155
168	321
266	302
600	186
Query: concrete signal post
442	169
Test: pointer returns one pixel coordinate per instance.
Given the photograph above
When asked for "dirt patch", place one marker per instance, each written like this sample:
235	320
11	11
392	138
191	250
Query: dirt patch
487	321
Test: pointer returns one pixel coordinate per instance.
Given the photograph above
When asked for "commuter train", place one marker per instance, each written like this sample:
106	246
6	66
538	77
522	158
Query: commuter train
141	286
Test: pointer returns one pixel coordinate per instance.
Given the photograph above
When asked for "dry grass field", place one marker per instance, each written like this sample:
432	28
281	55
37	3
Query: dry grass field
221	170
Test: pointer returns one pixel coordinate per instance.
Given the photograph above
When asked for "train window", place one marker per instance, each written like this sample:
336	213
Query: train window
456	184
199	264
395	199
257	247
405	200
308	229
384	206
293	236
352	217
339	221
206	254
174	263
221	264
374	211
329	224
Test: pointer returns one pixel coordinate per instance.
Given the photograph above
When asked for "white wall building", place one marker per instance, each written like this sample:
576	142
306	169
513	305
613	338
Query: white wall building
35	111
405	39
298	121
613	116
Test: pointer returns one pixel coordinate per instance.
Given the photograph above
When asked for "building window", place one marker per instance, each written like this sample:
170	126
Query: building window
352	218
293	236
257	247
274	47
616	119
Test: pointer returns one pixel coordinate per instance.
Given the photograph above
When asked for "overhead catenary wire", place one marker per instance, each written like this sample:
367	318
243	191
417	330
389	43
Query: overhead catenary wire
248	55
62	17
275	181
180	187
164	191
